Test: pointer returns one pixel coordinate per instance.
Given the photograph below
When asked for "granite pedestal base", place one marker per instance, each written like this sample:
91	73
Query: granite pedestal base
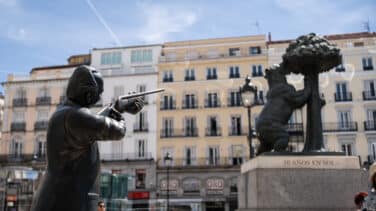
300	183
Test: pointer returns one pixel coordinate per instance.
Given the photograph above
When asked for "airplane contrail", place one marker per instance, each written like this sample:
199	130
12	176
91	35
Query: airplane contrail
103	22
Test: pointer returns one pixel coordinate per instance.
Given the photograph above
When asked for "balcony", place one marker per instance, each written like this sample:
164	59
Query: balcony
189	78
20	102
179	133
369	95
295	128
40	125
211	77
343	97
204	162
213	131
234	75
212	103
368	68
126	156
22	158
18	127
340	127
190	105
138	127
237	131
370	125
165	80
257	74
232	102
46	100
170	105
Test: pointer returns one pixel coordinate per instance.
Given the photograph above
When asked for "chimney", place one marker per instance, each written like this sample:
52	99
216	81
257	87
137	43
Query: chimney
269	37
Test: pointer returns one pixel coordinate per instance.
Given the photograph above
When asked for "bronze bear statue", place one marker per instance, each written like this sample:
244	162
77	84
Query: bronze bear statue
282	100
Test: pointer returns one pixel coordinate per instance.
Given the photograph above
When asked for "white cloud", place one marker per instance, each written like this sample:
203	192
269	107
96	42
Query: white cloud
9	3
161	21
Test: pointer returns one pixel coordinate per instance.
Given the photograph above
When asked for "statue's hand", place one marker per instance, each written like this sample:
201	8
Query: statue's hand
132	106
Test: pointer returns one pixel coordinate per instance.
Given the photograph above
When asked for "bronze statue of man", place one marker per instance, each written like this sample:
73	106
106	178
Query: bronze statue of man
72	151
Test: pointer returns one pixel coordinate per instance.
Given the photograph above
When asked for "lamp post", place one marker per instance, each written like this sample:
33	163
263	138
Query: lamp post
249	98
168	159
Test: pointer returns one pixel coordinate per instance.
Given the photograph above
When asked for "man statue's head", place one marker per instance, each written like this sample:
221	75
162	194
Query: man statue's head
85	86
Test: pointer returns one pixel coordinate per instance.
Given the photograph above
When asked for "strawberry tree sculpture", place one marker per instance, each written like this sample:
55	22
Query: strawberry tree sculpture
311	55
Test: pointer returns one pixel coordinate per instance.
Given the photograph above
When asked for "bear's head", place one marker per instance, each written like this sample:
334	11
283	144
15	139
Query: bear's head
275	75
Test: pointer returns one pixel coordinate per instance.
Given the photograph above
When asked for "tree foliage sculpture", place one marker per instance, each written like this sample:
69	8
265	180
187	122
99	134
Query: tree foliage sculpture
311	55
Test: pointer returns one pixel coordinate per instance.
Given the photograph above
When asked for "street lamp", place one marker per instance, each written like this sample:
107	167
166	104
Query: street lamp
249	98
168	160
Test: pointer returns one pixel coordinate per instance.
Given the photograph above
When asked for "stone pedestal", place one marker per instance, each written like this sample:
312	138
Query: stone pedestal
288	182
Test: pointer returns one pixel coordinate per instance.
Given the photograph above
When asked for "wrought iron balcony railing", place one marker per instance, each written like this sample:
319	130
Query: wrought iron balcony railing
211	77
190	105
170	105
40	125
19	102
18	127
369	95
213	131
126	156
343	97
175	133
22	158
212	103
138	127
203	162
340	126
46	100
370	125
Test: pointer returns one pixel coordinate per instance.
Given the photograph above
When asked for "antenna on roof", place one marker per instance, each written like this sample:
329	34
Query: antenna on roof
257	26
367	26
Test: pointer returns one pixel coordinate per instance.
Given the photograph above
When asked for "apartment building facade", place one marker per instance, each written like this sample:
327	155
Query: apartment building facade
349	90
130	162
28	103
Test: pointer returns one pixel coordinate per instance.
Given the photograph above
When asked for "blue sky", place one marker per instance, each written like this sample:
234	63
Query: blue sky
46	32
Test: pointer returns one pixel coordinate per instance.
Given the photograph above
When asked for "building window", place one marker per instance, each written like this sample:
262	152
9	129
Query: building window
370	91
190	156
167	127
142	88
236	126
141	152
111	58
189	75
213	155
372	151
344	120
234	99
16	147
40	147
367	63
141	56
370	124
234	72
347	148
18	116
213	128
20	93
257	71
141	122
255	50
168	102
237	154
342	93
168	76
212	100
189	101
211	73
234	51
190	127
140	178
260	97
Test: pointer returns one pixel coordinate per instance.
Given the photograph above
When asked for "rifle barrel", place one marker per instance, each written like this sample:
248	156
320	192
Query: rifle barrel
140	94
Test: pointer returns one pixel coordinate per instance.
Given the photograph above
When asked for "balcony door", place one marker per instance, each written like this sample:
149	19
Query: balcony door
370	88
189	126
236	125
344	118
213	155
167	127
341	90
